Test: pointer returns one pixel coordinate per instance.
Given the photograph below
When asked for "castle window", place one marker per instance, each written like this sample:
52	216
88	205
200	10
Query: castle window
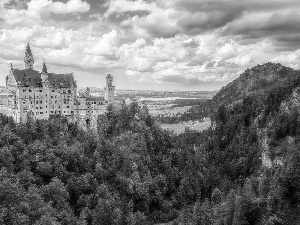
41	113
69	91
51	96
37	107
53	90
41	102
24	90
37	102
68	106
46	111
41	107
51	111
29	90
41	90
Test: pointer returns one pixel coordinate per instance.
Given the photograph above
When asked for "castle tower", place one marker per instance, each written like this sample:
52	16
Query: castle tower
28	59
44	74
87	91
109	90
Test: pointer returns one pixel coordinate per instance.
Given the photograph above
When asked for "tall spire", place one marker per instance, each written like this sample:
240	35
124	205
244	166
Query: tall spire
28	50
44	70
28	59
44	74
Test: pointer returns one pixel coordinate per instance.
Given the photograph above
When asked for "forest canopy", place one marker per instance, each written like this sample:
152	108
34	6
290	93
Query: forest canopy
130	171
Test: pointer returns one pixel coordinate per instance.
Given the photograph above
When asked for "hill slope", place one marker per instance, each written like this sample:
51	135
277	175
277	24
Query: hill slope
257	80
253	149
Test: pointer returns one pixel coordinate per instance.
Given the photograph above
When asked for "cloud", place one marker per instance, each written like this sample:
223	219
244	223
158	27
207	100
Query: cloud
72	6
281	27
158	42
291	59
181	80
65	48
39	11
106	45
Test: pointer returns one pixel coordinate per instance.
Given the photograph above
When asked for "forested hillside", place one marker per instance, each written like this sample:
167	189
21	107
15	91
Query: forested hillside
245	169
257	80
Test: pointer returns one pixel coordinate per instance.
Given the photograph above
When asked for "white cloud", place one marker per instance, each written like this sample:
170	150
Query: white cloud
106	45
39	10
72	6
291	59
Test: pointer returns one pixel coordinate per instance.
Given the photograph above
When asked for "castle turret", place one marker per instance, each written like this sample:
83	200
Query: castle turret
44	74
87	91
28	59
109	89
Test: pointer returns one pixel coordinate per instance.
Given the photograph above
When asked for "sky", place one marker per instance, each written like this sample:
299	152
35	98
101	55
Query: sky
168	45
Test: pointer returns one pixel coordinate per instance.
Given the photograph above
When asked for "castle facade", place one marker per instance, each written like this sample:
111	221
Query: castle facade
37	95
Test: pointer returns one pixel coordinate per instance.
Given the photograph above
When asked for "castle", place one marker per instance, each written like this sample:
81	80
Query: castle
37	95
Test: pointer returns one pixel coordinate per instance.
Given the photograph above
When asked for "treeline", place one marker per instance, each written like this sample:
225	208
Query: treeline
194	113
190	114
188	102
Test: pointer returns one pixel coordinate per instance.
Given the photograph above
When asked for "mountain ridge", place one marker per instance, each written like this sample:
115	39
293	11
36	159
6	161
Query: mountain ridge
256	80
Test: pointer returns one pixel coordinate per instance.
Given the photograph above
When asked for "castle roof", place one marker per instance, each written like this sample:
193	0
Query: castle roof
32	78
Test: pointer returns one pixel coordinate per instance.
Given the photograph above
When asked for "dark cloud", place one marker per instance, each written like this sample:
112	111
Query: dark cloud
287	42
96	70
202	22
60	17
282	28
194	83
206	15
181	80
18	4
232	6
191	44
195	63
